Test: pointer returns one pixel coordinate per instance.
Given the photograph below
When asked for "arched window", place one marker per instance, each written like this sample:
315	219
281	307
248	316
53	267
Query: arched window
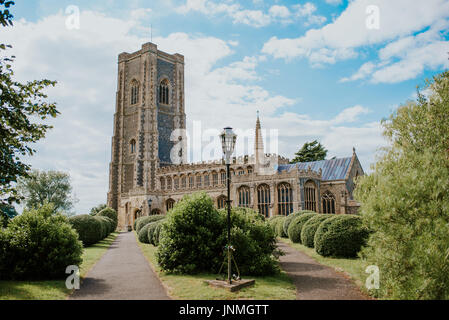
183	182
191	182
221	202
214	179
170	203
223	177
264	199
176	182
206	180
199	181
134	92
164	92
169	187
162	184
250	170
240	171
244	197
328	200
285	199
132	146
310	196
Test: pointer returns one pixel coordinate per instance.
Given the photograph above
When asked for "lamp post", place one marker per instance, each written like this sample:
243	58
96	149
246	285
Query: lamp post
228	139
150	201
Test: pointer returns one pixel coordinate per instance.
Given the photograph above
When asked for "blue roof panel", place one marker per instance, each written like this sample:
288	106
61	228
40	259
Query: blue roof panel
334	169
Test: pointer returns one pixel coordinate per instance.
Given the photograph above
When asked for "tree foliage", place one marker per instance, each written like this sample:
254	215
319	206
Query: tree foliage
22	107
41	187
311	151
406	199
97	209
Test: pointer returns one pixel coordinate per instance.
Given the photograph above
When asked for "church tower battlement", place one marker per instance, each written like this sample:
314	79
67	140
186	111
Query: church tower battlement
149	108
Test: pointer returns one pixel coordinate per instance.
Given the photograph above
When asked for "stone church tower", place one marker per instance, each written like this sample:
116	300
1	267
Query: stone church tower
149	111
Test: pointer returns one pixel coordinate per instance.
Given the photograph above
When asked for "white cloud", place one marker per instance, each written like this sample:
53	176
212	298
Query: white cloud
399	21
255	18
279	11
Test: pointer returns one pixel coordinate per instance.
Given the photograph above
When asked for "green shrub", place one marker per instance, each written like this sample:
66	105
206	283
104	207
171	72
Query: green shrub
38	245
295	227
340	236
143	233
290	218
273	221
310	227
194	235
157	232
151	230
107	225
111	214
142	221
89	228
279	227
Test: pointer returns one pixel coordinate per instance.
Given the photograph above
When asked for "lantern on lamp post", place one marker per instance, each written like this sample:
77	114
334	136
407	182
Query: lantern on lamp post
228	139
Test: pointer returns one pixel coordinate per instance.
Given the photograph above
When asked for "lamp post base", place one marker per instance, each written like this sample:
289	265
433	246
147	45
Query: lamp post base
236	285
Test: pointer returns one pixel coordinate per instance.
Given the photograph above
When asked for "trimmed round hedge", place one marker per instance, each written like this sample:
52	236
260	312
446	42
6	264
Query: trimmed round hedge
279	228
193	237
157	233
152	230
111	214
107	225
295	227
291	217
38	245
142	221
89	228
143	233
310	227
341	236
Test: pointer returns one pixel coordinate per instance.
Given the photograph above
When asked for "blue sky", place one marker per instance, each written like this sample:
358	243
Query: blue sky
313	69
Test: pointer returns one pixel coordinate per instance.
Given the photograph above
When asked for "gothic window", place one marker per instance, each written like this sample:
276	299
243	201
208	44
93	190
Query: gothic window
183	182
169	183
264	199
223	177
240	171
221	202
206	180
310	196
199	181
250	170
176	183
134	92
244	197
328	200
285	199
215	179
164	92
191	182
170	203
132	146
162	184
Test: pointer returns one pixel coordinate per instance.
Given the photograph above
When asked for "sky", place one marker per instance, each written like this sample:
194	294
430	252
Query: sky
329	70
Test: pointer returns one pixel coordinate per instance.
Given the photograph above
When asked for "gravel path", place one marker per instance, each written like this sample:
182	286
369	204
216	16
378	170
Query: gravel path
122	273
314	281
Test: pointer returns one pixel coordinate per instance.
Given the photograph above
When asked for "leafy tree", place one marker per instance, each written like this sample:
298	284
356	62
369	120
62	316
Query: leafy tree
39	188
311	151
405	201
97	209
22	107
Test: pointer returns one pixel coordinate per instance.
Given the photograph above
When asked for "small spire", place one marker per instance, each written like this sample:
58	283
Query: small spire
353	150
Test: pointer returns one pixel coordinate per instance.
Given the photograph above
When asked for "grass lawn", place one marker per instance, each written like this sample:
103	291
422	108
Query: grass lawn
53	290
353	268
278	287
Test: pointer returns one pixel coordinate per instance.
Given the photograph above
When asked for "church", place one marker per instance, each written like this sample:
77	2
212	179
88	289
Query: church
148	172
